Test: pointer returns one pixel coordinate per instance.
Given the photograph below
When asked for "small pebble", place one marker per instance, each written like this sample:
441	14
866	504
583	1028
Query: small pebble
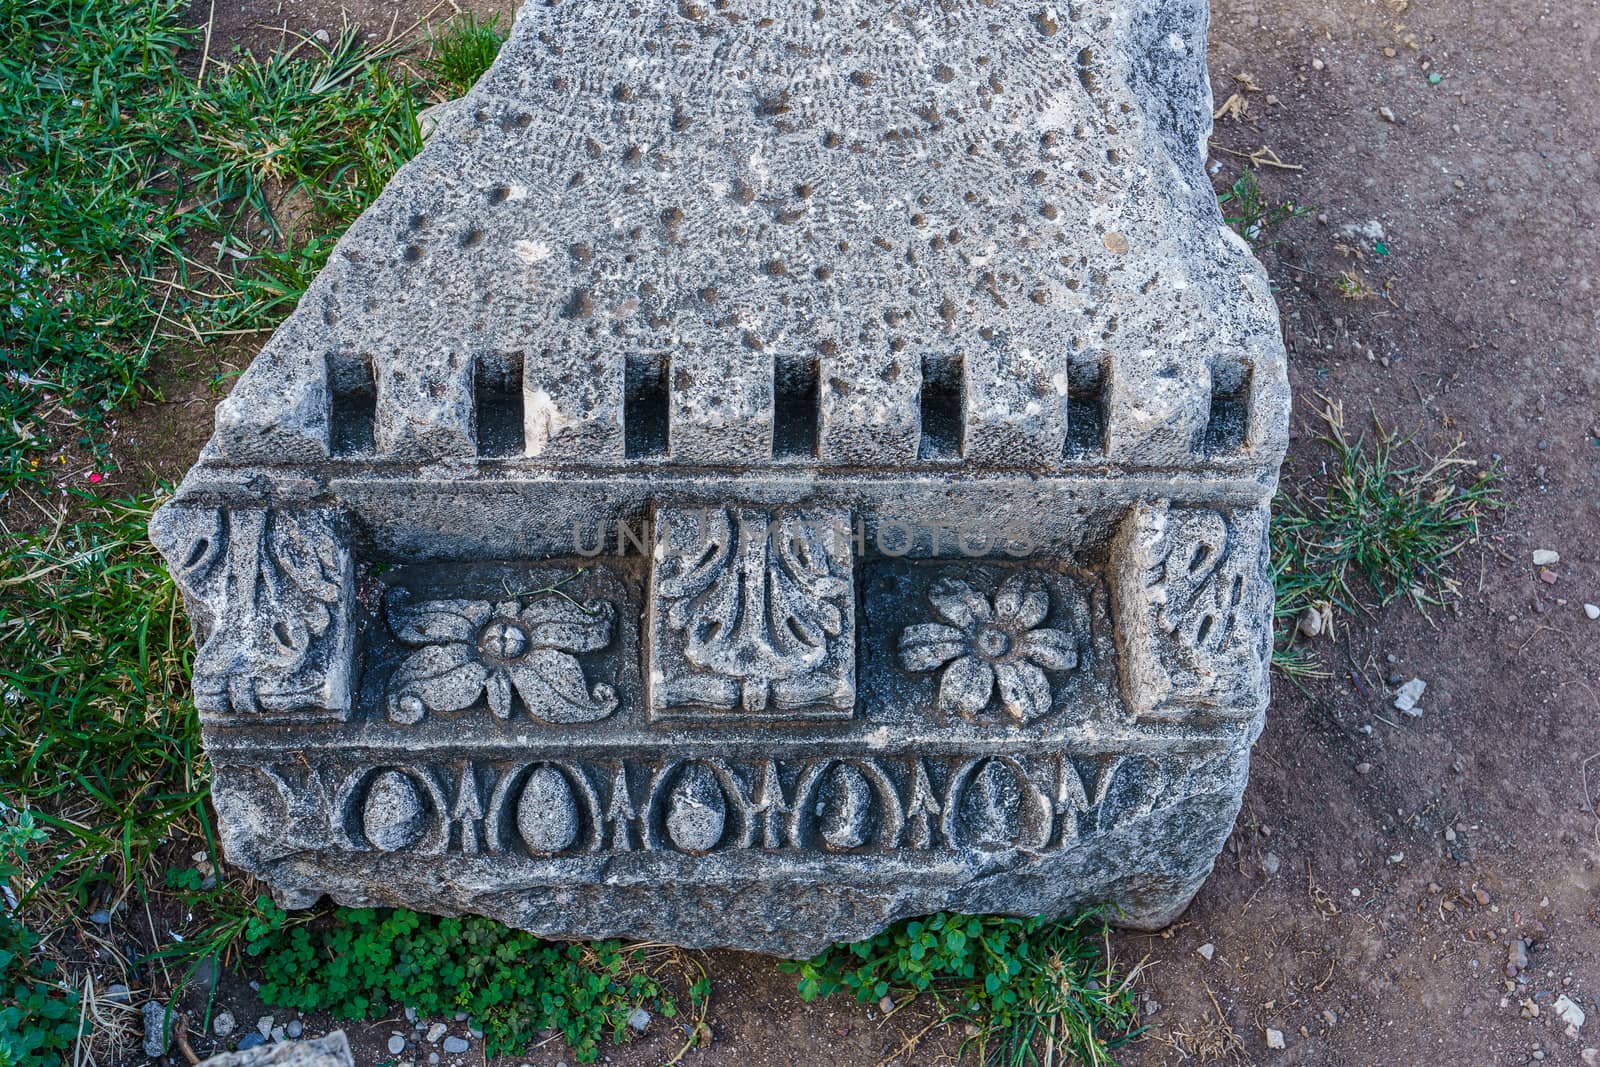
454	1046
397	1045
118	992
250	1041
1363	768
435	1032
1275	1039
1592	610
433	1057
102	917
1386	115
224	1024
1546	557
1330	1017
264	1025
638	1019
295	1028
1207	950
278	1035
886	1005
1270	863
1317	64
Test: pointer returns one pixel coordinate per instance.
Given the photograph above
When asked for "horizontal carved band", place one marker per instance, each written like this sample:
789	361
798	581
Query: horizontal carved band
541	809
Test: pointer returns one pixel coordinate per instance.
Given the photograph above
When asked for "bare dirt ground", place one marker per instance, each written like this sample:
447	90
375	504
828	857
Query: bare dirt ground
1382	865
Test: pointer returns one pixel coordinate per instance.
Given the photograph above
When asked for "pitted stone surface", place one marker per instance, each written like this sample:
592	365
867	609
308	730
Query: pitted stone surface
760	472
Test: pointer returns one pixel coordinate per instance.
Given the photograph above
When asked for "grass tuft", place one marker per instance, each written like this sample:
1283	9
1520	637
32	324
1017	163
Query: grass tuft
1387	525
465	50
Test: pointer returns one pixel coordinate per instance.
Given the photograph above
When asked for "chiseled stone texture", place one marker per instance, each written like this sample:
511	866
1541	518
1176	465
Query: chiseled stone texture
759	473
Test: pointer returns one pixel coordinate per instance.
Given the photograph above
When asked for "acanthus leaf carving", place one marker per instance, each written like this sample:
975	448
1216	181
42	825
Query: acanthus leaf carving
1193	604
270	592
752	611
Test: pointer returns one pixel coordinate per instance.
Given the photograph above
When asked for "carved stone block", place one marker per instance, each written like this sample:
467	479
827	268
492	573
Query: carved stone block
747	481
751	612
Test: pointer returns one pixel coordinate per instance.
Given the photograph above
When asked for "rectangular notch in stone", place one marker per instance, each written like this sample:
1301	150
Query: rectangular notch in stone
1228	423
500	415
353	406
941	402
1086	418
794	408
644	407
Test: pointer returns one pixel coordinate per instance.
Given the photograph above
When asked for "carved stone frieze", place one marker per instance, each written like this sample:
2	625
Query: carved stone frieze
1194	609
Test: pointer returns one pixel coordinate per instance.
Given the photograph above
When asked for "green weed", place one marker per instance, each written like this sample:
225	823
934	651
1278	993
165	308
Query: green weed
38	1015
361	963
1022	984
465	50
1248	212
1387	524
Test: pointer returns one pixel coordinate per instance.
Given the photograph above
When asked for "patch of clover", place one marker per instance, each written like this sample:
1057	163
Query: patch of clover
469	649
985	648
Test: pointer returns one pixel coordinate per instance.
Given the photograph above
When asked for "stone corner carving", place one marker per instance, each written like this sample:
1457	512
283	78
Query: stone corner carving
271	594
1192	599
751	613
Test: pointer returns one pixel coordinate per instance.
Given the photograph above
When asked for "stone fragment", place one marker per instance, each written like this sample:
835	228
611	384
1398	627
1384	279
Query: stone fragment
1546	557
156	1033
1275	1039
743	494
223	1025
1406	697
329	1050
1567	1010
454	1046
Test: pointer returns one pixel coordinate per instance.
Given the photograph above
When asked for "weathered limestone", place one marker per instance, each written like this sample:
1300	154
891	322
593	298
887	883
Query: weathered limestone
329	1050
759	473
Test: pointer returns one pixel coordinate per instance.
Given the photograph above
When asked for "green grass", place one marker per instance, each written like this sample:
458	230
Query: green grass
465	50
97	735
1030	989
139	206
1386	524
